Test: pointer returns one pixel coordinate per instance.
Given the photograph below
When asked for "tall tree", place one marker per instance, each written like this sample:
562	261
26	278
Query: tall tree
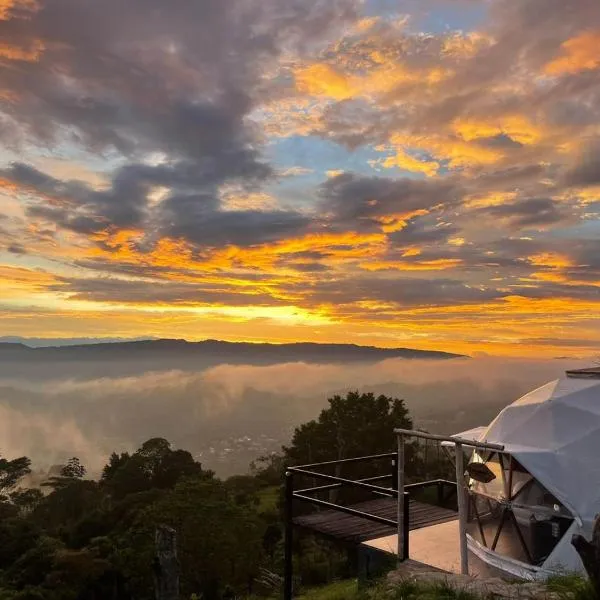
11	472
352	425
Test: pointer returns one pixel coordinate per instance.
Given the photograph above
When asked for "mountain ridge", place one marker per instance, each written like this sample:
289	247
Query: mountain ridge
311	351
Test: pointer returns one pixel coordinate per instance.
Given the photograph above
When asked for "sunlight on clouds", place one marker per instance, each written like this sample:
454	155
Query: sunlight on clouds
516	127
464	46
474	136
405	161
580	53
391	223
323	80
456	152
490	199
438	264
31	53
15	8
278	314
551	259
19	285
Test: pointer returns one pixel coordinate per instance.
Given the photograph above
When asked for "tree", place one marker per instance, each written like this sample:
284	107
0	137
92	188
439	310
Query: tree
115	462
73	469
219	541
11	472
69	473
153	465
26	500
352	425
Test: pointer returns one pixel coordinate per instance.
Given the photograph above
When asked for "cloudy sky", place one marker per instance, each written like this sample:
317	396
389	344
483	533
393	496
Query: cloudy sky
420	173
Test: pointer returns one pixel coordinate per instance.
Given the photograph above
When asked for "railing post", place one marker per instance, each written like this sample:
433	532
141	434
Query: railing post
462	509
288	573
395	473
400	515
406	525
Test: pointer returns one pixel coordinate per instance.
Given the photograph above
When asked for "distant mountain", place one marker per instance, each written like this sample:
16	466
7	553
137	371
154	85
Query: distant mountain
225	351
47	342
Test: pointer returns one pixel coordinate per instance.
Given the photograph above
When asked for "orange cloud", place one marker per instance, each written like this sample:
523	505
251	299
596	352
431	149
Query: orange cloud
30	54
322	80
437	264
17	8
581	53
517	127
409	163
456	151
551	259
19	283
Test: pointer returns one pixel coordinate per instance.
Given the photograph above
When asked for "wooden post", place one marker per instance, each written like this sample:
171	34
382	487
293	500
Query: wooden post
462	508
288	567
166	565
400	514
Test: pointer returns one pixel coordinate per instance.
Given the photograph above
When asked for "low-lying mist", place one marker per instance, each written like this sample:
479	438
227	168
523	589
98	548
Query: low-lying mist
228	415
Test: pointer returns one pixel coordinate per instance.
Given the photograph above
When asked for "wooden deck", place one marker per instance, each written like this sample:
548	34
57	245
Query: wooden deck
349	528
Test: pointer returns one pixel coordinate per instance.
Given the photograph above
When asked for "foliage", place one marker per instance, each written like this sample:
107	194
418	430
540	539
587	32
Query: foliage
406	590
572	587
339	590
353	425
82	539
11	472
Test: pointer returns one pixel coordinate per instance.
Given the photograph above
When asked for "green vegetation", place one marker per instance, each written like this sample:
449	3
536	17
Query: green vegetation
76	538
348	590
567	587
572	587
339	590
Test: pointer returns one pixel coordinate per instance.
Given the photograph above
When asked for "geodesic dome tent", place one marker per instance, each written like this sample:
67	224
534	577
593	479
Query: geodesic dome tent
545	485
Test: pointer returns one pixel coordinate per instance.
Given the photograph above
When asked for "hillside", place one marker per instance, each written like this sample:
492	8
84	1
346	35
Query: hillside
121	358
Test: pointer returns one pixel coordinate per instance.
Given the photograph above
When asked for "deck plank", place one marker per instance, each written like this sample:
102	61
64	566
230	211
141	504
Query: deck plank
350	528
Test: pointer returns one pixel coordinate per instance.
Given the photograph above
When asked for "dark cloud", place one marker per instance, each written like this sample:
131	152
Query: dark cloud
357	200
194	219
172	292
529	213
587	172
419	231
155	83
400	291
75	206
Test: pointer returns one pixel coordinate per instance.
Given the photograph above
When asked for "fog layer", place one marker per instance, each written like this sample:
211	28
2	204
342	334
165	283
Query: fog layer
228	415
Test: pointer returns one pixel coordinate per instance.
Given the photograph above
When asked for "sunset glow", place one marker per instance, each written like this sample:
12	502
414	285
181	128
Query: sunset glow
420	174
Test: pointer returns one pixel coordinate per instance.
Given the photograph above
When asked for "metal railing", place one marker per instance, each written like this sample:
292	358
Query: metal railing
397	490
461	489
337	482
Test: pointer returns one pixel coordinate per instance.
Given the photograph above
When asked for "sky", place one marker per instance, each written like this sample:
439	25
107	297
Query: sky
409	173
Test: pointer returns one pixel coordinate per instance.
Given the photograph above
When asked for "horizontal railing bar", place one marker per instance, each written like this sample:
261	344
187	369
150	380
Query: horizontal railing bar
346	509
333	486
422	484
347	460
447	438
349	482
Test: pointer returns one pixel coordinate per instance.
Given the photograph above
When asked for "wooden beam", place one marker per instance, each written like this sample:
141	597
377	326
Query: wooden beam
462	508
400	519
446	438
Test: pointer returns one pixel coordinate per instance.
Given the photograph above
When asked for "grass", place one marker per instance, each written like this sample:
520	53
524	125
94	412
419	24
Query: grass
348	590
569	587
572	587
339	590
267	499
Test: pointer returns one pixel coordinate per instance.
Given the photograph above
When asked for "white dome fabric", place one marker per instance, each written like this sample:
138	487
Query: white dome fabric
554	432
